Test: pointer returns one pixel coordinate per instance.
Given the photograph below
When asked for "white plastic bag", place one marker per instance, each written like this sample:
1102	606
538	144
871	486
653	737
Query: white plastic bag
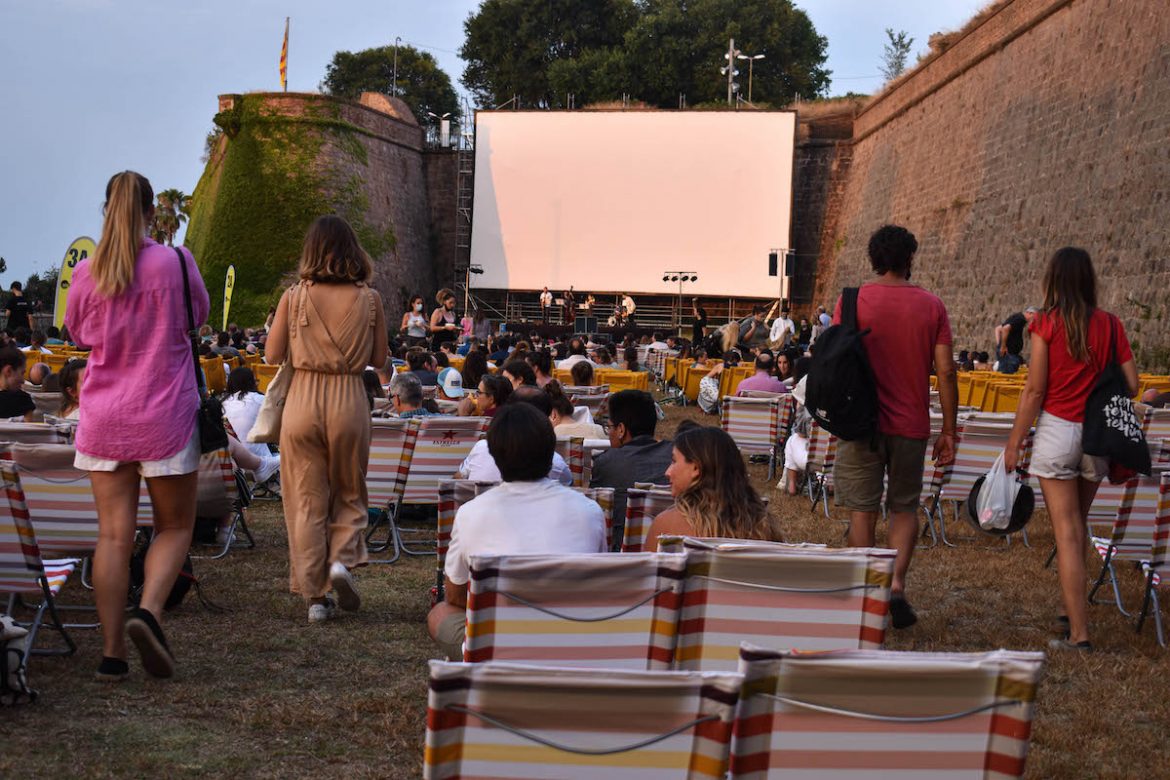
996	498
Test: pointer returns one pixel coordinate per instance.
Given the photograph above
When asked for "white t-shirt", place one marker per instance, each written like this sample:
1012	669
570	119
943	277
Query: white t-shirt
546	298
779	326
518	518
241	413
659	345
573	360
481	466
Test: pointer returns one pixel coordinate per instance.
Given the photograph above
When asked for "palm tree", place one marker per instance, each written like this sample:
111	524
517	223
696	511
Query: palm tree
172	211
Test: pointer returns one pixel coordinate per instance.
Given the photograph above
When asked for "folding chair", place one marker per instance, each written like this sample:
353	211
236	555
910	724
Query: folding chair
1155	423
822	453
35	433
392	444
782	596
59	498
880	713
980	442
642	506
1157	569
532	608
754	425
597	403
453	493
603	497
264	376
1133	534
573	451
22	570
442	445
507	720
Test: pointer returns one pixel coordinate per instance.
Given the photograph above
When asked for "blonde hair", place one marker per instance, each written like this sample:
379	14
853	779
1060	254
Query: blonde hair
332	253
129	198
721	502
442	295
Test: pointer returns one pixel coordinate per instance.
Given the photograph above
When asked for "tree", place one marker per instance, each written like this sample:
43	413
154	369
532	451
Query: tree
41	290
3	265
170	212
422	84
652	50
895	53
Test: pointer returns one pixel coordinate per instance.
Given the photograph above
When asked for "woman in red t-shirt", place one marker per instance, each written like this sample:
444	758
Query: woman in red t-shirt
1071	343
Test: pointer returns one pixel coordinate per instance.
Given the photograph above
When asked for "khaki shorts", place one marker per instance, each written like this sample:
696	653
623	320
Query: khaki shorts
896	465
1057	454
452	631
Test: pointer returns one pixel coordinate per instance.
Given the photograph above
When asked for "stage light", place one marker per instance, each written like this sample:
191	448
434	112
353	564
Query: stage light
665	278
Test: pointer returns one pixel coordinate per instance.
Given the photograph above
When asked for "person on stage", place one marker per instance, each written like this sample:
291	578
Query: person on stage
546	301
570	305
628	308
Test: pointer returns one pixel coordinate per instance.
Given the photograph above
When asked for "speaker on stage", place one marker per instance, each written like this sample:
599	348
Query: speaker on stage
584	324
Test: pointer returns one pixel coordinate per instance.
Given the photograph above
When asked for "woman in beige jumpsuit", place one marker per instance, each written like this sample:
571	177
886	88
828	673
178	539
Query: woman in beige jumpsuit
330	326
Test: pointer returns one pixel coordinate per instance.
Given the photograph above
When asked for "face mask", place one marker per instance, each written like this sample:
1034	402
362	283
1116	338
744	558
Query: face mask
418	307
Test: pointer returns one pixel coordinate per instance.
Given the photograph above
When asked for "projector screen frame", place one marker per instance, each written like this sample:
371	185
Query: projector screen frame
782	281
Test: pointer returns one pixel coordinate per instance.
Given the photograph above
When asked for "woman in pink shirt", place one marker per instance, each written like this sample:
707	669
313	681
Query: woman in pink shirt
127	303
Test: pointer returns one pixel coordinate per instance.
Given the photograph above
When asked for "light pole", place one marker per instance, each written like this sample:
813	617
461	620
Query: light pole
751	58
681	277
729	69
394	89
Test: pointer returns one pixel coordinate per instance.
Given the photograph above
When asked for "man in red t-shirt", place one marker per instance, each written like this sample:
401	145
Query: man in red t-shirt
909	333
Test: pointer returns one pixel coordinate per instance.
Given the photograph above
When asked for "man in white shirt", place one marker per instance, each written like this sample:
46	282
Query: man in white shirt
526	514
481	466
576	354
546	301
783	329
658	343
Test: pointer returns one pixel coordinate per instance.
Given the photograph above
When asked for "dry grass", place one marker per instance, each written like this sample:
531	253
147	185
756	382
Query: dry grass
262	694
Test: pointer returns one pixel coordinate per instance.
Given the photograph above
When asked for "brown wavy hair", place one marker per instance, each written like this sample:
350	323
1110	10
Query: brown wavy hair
1070	293
722	501
332	253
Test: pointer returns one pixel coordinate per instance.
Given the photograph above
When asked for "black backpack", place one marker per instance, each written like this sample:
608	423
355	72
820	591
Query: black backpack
841	392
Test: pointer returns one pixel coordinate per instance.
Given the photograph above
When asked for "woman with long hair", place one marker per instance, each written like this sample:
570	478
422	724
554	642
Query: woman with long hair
475	367
1072	342
541	362
71	376
329	326
414	323
443	326
128	433
241	406
561	415
712	494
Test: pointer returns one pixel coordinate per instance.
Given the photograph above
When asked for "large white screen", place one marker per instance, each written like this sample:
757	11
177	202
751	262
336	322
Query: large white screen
607	201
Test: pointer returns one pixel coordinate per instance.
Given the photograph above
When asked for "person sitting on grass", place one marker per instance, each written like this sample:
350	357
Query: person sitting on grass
713	495
15	403
555	519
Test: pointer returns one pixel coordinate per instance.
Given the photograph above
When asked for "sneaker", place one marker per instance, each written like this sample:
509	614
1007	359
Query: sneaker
112	670
343	585
146	634
901	613
1064	644
319	613
268	467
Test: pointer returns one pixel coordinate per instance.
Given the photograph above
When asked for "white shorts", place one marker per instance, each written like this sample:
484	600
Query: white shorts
184	461
796	453
1057	454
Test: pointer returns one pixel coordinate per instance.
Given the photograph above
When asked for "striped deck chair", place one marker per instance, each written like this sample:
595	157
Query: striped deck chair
597	403
754	425
392	443
219	493
603	497
1132	535
884	714
453	493
500	720
980	442
1156	423
59	498
23	571
442	444
35	433
782	596
642	506
573	451
822	453
1157	569
532	608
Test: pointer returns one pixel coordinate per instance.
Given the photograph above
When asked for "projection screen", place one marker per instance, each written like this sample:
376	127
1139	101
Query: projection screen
607	201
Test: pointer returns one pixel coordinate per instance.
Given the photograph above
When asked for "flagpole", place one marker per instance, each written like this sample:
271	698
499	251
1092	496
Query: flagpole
284	58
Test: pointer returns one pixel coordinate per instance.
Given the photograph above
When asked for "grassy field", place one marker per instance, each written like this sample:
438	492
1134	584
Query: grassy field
260	693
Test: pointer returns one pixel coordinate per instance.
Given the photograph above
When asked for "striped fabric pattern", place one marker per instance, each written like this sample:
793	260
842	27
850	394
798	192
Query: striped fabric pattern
20	558
59	498
753	423
533	608
603	497
488	722
217	484
827	715
572	449
441	446
1132	536
642	506
1156	423
822	454
978	445
34	433
57	571
392	443
787	416
1157	569
780	596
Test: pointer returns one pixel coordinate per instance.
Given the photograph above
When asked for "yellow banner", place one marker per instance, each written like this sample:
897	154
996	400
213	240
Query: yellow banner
228	285
77	251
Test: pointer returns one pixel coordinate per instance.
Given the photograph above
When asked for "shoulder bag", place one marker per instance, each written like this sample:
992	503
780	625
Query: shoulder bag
1112	429
266	429
209	417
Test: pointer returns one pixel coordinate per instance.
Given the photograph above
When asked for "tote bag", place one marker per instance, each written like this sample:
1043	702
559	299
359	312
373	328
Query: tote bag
1112	429
266	429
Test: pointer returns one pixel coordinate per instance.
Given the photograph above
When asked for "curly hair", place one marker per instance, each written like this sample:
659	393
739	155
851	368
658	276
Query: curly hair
892	248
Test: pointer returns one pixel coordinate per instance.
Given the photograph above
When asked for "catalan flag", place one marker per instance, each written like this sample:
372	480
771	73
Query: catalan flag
284	59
